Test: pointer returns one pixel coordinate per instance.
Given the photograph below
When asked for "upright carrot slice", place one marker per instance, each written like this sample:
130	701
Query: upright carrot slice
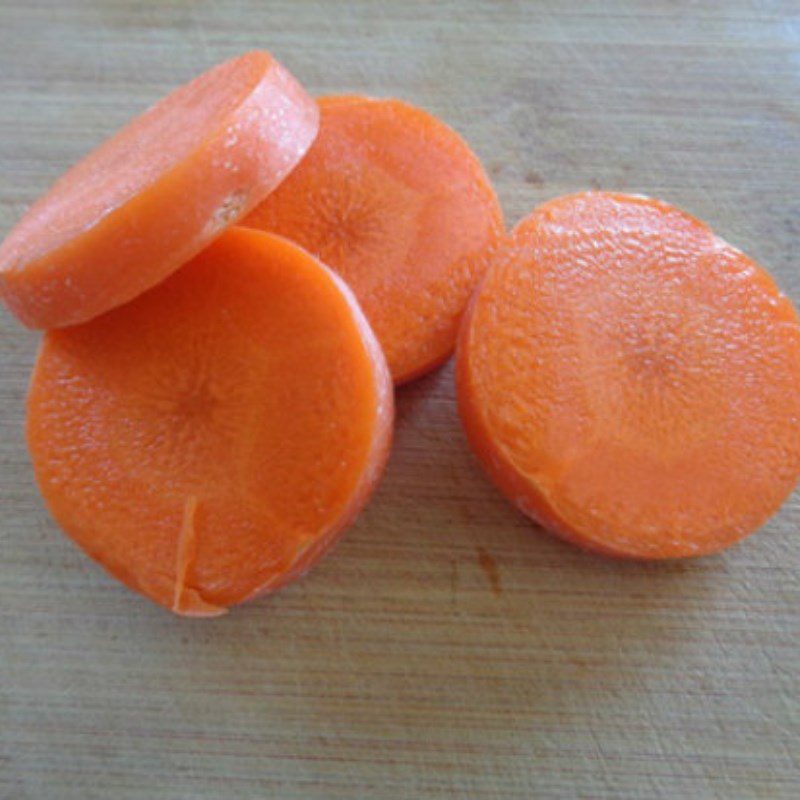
632	381
397	203
156	193
209	440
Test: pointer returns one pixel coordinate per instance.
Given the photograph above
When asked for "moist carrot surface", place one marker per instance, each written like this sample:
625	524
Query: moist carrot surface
397	204
152	196
631	381
209	440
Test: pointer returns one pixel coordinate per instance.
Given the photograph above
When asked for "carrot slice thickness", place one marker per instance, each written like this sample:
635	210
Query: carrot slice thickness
153	195
631	381
210	440
401	208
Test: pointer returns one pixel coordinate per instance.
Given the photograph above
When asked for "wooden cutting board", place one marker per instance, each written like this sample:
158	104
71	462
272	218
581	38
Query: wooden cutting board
447	648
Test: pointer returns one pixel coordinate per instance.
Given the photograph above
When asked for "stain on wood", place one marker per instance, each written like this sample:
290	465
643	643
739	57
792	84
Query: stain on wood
489	566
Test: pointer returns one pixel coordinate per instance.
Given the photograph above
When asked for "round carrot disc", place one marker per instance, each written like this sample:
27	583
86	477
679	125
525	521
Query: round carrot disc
156	193
396	203
631	381
208	441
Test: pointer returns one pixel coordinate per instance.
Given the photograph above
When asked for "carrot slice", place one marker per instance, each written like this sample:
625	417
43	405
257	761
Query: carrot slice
631	381
209	440
157	192
396	203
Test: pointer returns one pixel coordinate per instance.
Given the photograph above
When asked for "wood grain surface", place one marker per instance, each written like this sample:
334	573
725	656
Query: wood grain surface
446	648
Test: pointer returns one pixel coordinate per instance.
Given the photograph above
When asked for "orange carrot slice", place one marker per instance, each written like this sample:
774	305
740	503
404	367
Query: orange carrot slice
396	203
632	381
209	440
156	193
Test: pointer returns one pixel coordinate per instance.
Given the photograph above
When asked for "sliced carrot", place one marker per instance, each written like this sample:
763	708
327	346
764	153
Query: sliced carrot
632	381
209	440
156	193
397	203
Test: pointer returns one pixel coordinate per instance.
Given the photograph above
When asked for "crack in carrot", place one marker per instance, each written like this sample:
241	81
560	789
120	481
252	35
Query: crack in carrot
187	599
